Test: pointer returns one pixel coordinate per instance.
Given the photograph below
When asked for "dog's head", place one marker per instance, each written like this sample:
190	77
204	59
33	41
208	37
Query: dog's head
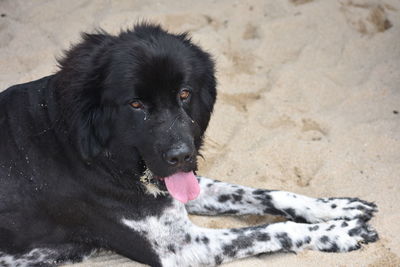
142	95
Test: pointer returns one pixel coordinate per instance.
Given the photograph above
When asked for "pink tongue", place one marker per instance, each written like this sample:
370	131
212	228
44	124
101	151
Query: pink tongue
183	186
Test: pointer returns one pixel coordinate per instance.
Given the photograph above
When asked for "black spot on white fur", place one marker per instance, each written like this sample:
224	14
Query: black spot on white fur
224	198
218	260
331	227
205	240
285	241
263	237
324	239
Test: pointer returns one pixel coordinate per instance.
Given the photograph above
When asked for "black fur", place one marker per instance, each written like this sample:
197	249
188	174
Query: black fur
73	148
77	147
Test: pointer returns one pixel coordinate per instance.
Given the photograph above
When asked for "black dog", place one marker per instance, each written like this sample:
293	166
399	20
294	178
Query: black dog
103	153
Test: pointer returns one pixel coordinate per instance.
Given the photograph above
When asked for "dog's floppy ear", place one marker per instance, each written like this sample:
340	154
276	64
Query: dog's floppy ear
92	132
80	86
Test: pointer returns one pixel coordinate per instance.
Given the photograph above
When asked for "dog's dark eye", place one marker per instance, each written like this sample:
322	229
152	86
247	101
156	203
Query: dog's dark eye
184	94
137	104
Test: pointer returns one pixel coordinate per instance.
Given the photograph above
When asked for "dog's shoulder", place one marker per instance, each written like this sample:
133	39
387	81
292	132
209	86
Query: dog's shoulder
27	87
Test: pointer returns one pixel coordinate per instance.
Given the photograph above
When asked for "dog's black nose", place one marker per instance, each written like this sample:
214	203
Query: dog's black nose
178	155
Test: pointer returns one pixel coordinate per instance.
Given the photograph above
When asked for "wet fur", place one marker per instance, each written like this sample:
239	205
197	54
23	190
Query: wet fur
74	153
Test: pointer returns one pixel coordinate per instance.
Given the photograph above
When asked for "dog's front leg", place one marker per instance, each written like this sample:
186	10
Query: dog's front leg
177	242
222	198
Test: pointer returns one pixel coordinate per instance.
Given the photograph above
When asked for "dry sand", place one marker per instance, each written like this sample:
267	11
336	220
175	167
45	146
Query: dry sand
309	97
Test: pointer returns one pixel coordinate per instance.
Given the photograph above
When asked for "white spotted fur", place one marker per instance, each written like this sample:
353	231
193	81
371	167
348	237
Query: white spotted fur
172	227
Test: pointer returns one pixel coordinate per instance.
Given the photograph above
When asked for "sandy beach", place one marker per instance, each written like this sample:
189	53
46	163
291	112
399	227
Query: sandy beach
309	98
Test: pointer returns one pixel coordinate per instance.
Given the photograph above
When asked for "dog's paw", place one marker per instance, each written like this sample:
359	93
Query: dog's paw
341	235
346	208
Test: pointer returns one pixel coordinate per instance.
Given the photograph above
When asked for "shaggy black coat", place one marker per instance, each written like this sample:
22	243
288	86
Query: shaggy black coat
73	146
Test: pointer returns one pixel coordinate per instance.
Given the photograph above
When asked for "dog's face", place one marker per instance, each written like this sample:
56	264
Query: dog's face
151	98
164	105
